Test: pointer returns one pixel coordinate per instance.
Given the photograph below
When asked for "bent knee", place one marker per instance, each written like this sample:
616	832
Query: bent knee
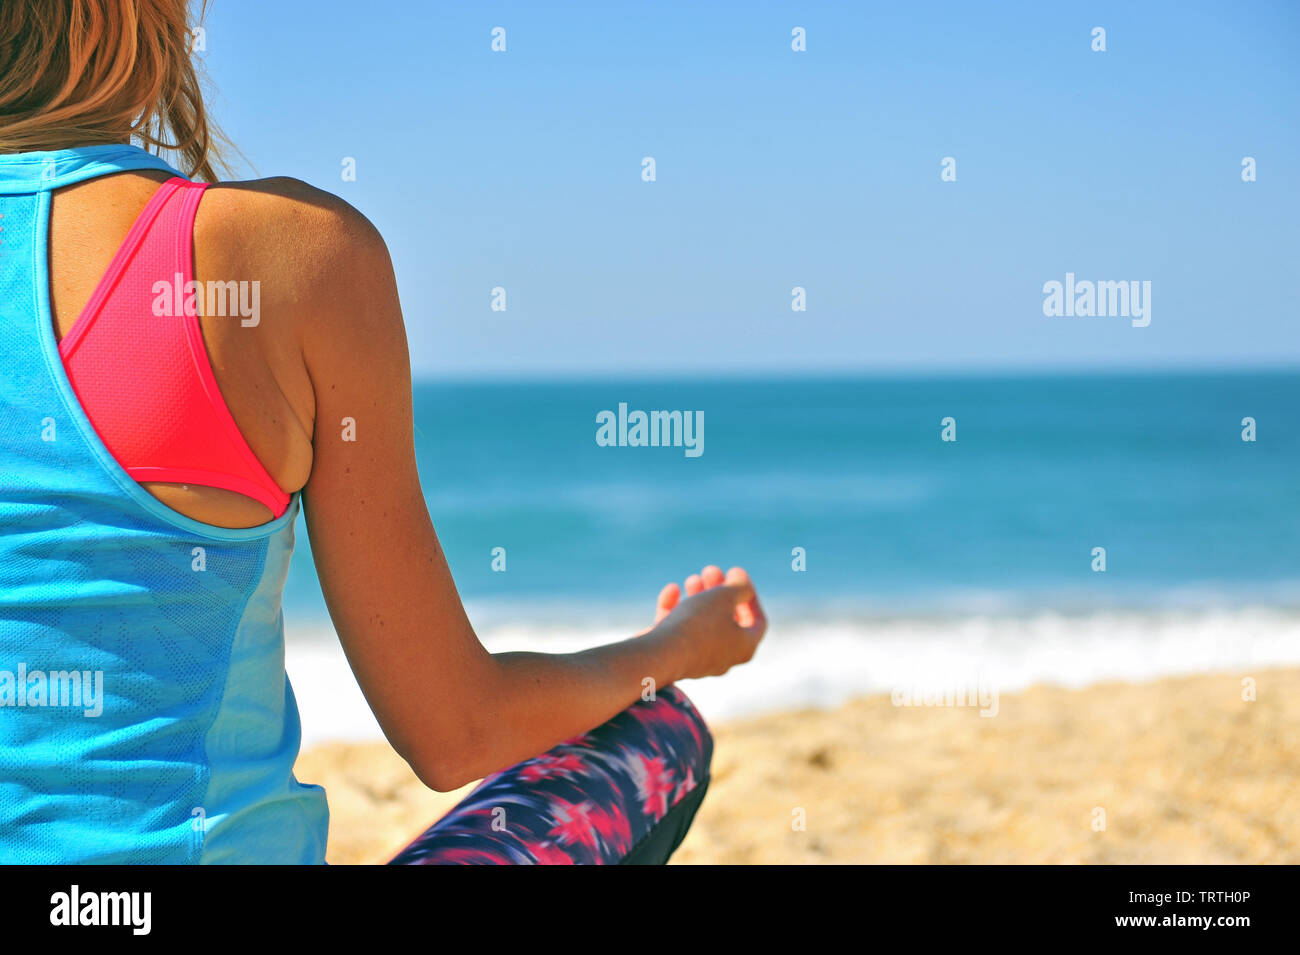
681	722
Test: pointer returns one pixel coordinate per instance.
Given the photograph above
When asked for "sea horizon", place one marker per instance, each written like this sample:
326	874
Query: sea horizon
583	374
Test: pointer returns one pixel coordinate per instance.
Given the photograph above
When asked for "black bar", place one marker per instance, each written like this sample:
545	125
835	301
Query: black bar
249	904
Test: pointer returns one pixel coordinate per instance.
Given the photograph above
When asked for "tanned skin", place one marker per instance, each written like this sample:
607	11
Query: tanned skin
330	345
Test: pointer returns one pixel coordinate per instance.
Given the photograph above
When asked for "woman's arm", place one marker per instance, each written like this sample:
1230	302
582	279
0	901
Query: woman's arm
454	711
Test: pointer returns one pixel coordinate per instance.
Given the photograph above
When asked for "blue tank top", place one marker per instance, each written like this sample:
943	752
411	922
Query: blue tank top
145	714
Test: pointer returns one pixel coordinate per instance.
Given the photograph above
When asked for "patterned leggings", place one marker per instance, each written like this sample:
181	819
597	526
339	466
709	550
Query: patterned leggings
624	793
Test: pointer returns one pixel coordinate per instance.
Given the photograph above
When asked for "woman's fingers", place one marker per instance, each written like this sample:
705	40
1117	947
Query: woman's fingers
751	617
738	579
669	598
749	613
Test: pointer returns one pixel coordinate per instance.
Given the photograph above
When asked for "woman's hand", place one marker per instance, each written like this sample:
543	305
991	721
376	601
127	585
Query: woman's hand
717	626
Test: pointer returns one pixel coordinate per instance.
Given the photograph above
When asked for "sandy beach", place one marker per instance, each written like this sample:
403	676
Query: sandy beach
1185	770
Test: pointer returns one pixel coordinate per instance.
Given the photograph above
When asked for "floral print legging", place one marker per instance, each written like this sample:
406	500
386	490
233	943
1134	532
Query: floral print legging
624	793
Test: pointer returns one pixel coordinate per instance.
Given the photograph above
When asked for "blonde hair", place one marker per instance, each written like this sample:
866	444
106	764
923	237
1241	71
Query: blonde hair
92	72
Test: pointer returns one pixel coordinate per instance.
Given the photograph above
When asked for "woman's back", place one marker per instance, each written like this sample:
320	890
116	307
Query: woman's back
147	696
255	359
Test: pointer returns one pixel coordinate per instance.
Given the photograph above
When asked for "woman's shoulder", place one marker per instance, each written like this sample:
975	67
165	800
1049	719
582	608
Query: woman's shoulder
290	223
324	282
316	257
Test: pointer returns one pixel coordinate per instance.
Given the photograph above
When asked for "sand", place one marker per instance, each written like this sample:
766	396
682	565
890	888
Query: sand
1184	770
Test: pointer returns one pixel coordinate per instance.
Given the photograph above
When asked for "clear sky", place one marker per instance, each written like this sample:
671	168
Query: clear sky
775	169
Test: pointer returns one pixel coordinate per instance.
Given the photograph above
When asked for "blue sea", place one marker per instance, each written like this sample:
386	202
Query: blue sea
924	560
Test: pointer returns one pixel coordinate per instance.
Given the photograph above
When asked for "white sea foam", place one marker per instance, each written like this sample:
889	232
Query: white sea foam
825	661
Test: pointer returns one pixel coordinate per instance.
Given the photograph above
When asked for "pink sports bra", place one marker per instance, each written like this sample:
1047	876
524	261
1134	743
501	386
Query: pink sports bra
136	360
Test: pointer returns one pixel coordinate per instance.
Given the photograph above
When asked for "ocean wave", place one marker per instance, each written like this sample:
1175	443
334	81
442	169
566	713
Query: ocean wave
825	660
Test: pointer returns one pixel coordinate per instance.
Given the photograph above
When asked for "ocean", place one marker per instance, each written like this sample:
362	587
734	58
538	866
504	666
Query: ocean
926	562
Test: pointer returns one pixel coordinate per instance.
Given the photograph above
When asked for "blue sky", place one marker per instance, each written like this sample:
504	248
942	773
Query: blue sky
777	169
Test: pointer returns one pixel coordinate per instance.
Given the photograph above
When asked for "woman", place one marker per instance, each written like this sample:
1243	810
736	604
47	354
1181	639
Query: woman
154	450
